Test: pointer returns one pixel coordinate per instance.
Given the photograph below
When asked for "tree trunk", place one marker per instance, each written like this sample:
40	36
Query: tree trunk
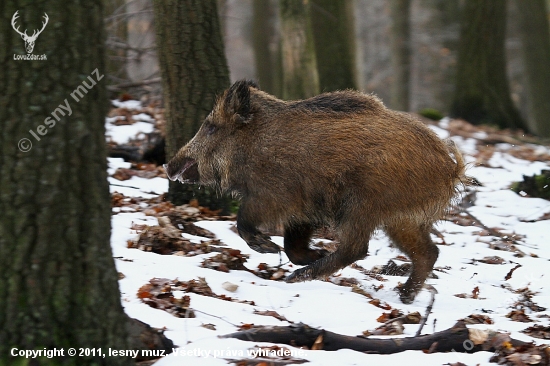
401	54
141	63
535	42
300	77
436	25
482	94
266	42
59	282
334	36
117	35
194	70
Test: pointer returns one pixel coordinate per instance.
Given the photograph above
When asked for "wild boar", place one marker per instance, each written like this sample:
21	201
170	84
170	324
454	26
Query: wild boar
339	159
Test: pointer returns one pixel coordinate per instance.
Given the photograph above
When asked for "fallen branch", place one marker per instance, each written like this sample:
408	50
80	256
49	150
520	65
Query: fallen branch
458	338
433	291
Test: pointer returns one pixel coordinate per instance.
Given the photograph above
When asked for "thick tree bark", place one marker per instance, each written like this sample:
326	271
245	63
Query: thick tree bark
482	94
400	54
59	282
194	70
333	32
266	42
300	77
535	42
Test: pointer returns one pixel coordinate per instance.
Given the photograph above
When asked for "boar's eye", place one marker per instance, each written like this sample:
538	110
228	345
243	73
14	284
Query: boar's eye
211	128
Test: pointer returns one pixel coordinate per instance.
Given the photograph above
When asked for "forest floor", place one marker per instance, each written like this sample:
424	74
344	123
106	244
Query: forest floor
185	270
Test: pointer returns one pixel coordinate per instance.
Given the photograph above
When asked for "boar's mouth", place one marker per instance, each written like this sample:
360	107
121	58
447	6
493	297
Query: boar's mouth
186	171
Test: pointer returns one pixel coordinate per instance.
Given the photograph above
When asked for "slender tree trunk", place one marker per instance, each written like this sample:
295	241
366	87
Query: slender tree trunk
194	70
401	54
300	77
141	64
482	94
59	282
535	42
266	42
333	31
117	34
436	25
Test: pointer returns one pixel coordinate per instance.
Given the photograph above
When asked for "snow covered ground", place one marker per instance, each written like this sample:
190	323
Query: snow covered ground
463	269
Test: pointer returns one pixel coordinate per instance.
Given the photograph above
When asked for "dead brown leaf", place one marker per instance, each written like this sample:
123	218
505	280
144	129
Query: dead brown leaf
395	313
391	328
268	272
158	294
478	319
273	314
492	260
538	331
509	274
226	260
473	295
519	316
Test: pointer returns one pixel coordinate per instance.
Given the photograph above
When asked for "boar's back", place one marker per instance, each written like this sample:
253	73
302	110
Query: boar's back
339	102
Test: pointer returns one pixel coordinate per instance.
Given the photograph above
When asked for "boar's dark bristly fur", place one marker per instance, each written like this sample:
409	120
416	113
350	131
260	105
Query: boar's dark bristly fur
339	159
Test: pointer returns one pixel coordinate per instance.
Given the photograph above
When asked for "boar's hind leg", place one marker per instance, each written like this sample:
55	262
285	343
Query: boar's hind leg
354	245
297	248
247	227
414	240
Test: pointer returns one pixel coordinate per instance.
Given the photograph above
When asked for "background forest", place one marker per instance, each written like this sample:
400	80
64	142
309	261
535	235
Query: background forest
408	52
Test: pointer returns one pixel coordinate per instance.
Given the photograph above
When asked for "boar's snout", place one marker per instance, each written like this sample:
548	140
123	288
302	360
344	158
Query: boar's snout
185	170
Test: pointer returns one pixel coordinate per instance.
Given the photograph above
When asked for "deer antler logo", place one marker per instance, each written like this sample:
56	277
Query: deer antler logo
29	40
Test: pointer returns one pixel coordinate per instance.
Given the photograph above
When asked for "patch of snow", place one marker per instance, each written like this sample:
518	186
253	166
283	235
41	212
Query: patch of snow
325	305
443	134
144	117
122	134
128	104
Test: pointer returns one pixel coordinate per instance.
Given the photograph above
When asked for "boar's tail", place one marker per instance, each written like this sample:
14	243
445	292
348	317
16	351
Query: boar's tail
461	177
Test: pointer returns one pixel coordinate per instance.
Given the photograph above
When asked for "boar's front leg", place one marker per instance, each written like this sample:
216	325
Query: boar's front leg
297	237
354	245
247	225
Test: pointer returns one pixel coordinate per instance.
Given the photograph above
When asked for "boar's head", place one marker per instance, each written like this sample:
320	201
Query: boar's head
206	159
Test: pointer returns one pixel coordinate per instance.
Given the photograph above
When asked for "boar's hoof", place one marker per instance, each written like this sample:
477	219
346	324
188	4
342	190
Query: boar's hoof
305	257
301	275
406	294
262	244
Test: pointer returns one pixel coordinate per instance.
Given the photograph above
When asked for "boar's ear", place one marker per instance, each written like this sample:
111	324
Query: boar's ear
237	101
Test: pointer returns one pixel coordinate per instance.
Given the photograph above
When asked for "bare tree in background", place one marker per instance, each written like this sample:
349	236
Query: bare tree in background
267	46
193	70
117	33
400	54
535	42
434	44
300	77
482	94
334	35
